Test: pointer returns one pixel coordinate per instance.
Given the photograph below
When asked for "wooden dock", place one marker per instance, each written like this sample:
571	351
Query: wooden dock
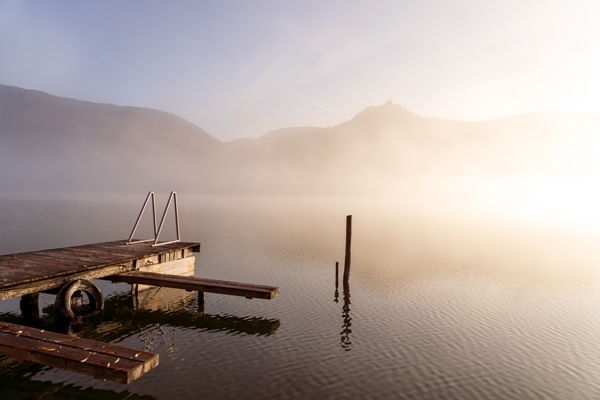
69	271
89	357
36	271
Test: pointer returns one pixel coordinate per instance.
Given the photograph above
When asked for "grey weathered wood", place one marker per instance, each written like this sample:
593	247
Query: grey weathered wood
97	359
197	284
25	273
56	282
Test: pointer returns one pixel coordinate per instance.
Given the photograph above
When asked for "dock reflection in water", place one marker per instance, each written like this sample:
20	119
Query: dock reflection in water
20	388
176	308
125	315
154	314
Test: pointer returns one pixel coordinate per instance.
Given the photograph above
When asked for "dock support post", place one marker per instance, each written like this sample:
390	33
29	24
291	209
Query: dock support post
77	303
29	306
348	246
201	300
69	299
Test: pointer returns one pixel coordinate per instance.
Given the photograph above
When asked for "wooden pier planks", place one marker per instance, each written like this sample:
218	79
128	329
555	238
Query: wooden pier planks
30	272
89	357
197	284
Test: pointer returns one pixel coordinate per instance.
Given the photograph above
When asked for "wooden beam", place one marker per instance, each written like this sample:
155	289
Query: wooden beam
89	357
197	284
51	283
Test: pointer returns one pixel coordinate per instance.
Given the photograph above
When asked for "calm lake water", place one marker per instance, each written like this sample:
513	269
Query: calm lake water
444	302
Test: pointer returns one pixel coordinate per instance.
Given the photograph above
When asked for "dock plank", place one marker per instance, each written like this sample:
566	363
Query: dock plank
19	272
97	359
197	284
46	261
40	285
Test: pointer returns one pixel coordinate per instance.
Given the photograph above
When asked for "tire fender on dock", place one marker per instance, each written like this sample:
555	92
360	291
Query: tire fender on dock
65	294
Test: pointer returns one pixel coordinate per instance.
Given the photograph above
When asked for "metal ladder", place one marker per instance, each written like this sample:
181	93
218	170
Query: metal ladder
172	198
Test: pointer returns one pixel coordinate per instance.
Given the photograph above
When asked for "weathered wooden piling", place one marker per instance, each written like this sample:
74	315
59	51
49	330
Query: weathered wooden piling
29	305
337	270
348	248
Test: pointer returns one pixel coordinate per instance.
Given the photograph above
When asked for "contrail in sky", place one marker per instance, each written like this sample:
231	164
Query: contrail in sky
318	105
299	95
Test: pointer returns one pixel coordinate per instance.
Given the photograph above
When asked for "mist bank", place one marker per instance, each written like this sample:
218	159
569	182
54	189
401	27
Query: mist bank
55	144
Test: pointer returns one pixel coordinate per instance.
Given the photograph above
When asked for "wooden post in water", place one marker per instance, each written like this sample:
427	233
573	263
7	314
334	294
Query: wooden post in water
348	246
337	273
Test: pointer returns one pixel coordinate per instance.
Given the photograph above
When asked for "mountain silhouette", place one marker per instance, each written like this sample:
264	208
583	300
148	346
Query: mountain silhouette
50	143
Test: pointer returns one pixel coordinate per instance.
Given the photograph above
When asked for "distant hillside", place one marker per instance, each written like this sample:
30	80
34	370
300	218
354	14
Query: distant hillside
50	142
54	143
390	150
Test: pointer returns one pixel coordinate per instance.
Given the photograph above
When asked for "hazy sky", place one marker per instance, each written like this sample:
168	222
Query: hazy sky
242	68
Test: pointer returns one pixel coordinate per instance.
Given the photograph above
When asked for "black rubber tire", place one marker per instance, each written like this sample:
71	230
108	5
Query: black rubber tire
63	298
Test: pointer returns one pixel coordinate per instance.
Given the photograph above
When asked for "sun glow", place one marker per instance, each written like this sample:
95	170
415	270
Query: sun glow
552	198
576	199
568	190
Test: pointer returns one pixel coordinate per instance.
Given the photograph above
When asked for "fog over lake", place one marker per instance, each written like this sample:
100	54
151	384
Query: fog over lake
474	251
445	300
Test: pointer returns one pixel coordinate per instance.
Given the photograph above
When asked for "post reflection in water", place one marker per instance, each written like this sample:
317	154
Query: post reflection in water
345	335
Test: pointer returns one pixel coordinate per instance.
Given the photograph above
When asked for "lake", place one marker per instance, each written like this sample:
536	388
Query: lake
445	301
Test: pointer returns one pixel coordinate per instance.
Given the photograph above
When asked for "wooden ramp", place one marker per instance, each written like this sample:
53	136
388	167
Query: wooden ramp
31	272
197	284
97	359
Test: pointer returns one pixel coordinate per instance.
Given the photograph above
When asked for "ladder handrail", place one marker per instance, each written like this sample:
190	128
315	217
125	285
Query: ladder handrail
137	222
172	197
